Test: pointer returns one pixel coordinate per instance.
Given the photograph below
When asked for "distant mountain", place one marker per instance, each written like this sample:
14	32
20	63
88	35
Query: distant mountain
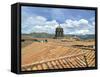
84	37
88	36
40	35
47	35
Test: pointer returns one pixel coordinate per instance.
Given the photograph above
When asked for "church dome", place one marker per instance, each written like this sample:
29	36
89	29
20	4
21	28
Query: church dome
59	26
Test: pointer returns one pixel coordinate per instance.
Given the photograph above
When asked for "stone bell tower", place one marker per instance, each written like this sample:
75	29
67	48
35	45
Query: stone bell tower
59	32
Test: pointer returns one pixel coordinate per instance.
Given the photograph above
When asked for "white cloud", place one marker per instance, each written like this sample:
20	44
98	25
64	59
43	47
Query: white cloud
52	24
71	23
83	32
76	23
80	32
41	24
41	18
93	23
36	20
83	21
81	26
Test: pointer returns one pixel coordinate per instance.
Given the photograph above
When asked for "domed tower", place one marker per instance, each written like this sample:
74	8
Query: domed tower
59	32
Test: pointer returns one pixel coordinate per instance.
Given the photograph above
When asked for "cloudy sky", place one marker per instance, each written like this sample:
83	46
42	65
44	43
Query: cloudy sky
73	21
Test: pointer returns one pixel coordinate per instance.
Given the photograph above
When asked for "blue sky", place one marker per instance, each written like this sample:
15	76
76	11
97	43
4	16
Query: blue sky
42	19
